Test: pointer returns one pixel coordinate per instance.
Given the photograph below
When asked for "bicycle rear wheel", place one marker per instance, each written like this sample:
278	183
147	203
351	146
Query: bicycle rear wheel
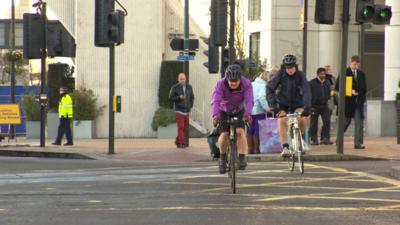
232	165
299	150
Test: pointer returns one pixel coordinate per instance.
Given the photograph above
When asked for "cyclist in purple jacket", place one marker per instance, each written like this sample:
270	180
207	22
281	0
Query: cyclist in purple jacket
233	94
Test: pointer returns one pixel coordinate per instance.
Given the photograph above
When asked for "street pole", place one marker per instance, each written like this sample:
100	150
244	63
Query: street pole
232	54
186	62
111	116
110	101
342	83
362	49
43	78
11	131
305	37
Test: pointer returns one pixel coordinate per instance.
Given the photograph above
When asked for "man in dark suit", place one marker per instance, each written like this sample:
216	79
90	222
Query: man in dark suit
355	102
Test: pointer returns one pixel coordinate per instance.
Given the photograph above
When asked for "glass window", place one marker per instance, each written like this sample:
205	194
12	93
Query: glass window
254	10
2	35
255	46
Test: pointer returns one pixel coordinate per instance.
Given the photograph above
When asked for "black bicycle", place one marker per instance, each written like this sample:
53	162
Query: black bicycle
232	153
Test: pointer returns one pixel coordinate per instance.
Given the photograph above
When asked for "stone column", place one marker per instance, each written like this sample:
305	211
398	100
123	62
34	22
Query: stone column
392	53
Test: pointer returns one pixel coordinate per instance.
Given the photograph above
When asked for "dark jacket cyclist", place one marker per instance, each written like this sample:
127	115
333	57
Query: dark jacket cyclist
288	92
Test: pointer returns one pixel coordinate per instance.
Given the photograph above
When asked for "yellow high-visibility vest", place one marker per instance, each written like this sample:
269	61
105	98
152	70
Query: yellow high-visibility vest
65	107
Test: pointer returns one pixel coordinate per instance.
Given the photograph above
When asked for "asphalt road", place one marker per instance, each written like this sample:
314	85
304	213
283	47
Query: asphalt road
66	192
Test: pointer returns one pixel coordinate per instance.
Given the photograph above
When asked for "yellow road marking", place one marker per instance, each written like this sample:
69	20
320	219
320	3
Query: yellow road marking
330	198
244	207
95	201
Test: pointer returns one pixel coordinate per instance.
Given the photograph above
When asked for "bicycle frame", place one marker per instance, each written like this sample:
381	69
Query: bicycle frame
232	150
296	144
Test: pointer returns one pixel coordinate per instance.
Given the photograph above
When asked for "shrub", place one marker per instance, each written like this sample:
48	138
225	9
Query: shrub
398	94
168	77
85	104
31	107
163	117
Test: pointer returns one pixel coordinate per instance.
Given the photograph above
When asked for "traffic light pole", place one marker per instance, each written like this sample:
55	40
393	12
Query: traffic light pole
342	83
362	49
110	101
186	62
11	132
232	54
43	78
305	36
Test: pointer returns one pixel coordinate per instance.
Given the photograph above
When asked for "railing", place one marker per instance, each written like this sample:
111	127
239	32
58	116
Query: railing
372	93
198	116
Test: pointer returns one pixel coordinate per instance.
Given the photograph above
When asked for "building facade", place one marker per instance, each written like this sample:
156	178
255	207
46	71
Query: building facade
272	28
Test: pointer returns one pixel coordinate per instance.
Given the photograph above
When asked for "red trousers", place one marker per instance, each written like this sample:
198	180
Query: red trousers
183	125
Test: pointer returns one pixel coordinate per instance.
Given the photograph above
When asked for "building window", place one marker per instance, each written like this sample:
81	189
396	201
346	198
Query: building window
254	46
254	10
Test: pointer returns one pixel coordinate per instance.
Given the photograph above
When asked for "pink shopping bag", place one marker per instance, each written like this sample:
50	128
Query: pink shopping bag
269	136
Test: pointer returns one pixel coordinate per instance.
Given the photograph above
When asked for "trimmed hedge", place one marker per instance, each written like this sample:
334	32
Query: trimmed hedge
59	75
31	107
168	77
163	117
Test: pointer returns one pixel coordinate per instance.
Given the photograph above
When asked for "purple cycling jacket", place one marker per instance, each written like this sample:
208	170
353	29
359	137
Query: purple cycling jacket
228	100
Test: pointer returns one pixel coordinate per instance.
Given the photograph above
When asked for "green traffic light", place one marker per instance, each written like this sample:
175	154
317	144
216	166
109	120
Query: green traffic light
383	14
366	12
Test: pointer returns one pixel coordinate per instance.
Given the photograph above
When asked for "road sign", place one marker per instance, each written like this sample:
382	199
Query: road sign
9	114
177	44
252	64
185	57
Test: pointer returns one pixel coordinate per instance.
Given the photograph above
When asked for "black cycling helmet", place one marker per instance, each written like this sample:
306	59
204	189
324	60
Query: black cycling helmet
289	60
233	72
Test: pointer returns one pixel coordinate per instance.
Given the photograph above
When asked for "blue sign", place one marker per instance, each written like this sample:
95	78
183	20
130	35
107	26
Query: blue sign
185	57
252	64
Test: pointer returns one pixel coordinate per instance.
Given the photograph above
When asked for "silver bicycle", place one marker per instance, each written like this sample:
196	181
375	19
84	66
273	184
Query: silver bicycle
296	143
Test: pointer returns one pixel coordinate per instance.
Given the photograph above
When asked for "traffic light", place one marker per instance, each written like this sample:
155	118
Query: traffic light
324	12
109	24
219	13
59	41
378	14
382	14
365	11
213	57
226	57
116	30
32	35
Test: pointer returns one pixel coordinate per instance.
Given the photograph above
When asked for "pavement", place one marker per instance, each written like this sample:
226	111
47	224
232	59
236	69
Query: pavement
164	150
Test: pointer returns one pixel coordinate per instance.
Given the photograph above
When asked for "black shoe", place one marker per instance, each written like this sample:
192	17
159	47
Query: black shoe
222	166
68	144
314	143
215	156
326	141
55	143
361	146
242	164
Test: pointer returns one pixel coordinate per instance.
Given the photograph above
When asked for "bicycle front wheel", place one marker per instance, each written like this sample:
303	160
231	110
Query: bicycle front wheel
299	150
232	165
291	161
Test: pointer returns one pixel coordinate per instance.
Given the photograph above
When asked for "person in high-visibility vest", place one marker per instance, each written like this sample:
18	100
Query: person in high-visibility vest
65	112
